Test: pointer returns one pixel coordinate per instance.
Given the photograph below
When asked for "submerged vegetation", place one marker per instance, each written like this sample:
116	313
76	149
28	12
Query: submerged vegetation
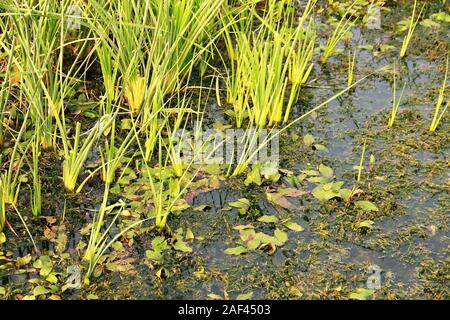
114	119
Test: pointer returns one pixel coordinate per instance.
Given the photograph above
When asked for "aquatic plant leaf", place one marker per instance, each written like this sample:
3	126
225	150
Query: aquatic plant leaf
268	219
326	171
122	265
242	227
264	238
201	207
189	235
367	47
241	204
320	147
278	199
428	23
214	296
44	264
40	290
311	172
270	171
320	180
21	261
153	255
2	291
308	140
372	160
2	238
293	226
236	250
364	224
361	294
182	246
441	16
346	194
253	244
281	236
254	176
51	278
366	205
292	192
247	234
245	296
325	195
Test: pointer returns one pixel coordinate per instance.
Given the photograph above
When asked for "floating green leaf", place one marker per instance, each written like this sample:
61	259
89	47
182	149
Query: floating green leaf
281	236
366	205
364	224
308	140
182	246
293	226
236	250
268	219
40	290
242	204
2	238
326	171
245	296
361	294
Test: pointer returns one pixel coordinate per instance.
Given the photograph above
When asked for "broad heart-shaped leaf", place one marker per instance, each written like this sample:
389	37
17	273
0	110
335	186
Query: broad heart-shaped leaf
182	246
39	290
268	219
293	226
366	205
245	296
325	171
236	250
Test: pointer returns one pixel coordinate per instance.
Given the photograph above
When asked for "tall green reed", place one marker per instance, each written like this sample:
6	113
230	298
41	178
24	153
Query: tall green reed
438	114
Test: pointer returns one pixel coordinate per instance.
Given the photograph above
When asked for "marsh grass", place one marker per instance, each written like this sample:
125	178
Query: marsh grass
395	101
36	190
342	27
269	63
2	207
5	87
351	67
75	155
10	178
438	113
411	27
